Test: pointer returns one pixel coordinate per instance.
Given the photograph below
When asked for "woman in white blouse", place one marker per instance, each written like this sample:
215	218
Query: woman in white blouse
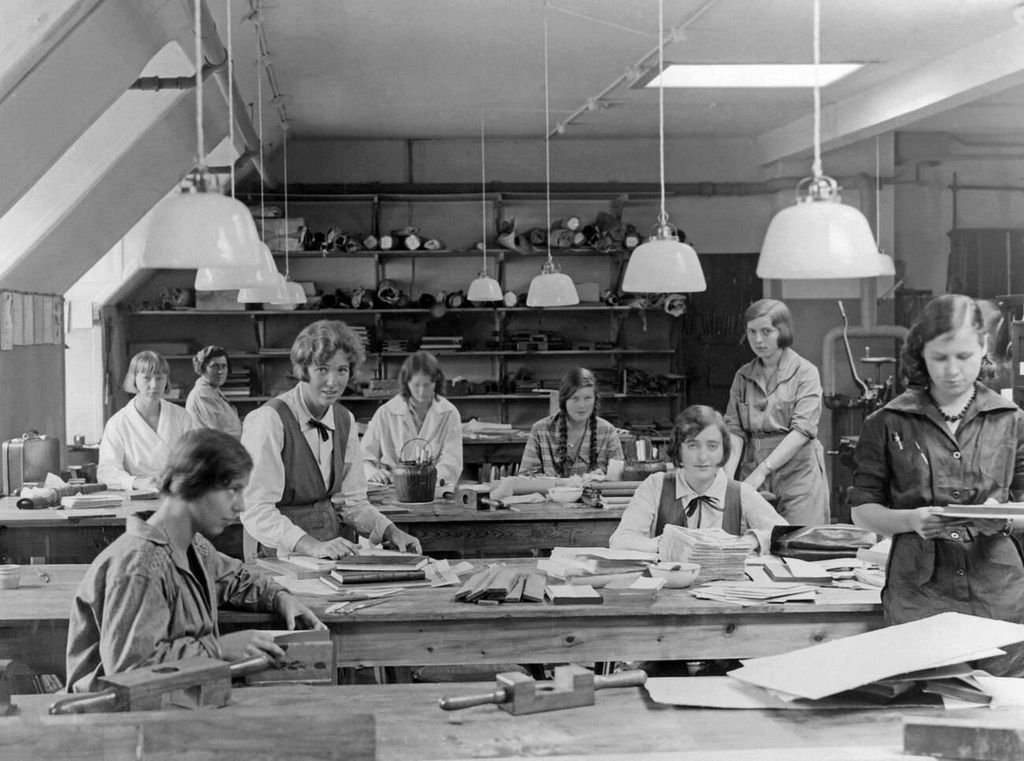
205	401
419	411
139	437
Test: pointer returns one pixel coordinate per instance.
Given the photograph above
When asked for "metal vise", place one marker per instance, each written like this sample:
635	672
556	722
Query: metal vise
476	497
573	686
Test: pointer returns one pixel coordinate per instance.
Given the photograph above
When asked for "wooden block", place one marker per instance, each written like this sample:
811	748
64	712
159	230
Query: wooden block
234	733
188	683
501	584
533	589
988	738
572	594
515	593
309	659
485	584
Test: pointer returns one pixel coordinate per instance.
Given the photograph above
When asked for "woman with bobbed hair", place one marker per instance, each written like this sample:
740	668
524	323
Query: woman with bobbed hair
574	441
772	415
138	438
308	480
946	440
418	411
698	494
205	401
152	596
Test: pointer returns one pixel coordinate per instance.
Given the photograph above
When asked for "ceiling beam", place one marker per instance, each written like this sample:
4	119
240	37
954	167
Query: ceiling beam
135	183
86	68
962	77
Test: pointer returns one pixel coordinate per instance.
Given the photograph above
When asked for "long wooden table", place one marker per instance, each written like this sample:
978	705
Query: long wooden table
424	626
622	723
441	527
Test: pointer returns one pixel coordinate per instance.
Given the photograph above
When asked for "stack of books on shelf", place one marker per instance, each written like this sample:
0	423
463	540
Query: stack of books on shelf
441	343
238	384
719	554
364	335
395	346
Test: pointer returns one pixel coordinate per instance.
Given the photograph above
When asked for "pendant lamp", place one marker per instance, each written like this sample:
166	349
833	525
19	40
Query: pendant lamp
294	294
819	237
551	288
201	228
663	264
484	288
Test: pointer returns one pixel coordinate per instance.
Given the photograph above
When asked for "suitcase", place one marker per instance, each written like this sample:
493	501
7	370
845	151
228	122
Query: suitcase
28	460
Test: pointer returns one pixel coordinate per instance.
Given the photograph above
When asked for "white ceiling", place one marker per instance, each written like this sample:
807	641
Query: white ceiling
425	68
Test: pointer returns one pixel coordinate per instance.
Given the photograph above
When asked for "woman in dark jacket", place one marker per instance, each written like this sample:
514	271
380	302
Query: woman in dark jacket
947	440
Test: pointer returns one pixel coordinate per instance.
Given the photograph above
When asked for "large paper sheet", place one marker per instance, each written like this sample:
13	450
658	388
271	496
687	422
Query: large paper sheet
826	669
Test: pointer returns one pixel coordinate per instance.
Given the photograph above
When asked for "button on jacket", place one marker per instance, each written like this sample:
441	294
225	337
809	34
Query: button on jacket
907	458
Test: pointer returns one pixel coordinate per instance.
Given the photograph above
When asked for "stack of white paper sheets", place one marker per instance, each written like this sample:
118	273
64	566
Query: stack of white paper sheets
755	593
719	554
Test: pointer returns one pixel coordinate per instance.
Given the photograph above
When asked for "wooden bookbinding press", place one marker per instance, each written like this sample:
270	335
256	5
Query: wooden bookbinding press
572	687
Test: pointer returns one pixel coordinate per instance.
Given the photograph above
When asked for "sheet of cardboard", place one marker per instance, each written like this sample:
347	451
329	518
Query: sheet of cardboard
844	664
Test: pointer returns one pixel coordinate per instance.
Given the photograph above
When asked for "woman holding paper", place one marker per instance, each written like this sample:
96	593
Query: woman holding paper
946	440
138	438
574	441
418	412
698	494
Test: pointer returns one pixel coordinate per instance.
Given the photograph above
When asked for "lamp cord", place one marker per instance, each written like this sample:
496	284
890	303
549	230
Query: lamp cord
259	119
200	137
662	215
547	136
483	194
231	98
878	195
816	169
287	237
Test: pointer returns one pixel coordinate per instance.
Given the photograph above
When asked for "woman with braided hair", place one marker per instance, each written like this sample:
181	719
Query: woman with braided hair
574	441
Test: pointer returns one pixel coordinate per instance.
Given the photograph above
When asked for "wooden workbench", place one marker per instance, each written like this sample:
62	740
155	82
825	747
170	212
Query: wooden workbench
623	724
424	626
441	527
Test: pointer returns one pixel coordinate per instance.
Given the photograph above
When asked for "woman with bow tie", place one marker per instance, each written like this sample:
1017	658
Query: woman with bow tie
307	477
698	494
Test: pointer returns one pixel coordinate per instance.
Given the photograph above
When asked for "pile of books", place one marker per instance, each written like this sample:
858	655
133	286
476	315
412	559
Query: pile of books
238	383
719	554
364	335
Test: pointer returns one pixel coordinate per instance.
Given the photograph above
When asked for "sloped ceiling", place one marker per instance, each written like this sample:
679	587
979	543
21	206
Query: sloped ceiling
427	69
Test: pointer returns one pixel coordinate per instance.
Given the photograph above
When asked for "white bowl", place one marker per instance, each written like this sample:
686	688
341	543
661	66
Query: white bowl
565	494
676	575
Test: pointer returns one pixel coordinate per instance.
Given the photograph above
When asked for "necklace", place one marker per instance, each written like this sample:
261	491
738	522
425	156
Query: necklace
961	413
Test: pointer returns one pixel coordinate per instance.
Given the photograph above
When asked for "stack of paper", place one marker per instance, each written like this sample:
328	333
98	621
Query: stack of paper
719	554
595	564
85	501
754	593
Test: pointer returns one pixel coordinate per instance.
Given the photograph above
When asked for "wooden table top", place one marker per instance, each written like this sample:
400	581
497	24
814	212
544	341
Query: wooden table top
440	511
623	723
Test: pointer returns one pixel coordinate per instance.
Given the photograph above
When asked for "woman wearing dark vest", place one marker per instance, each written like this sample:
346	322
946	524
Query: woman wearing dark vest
307	476
697	494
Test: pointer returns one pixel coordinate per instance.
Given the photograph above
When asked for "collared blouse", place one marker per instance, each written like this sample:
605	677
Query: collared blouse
393	424
130	449
792	404
263	437
540	457
636	527
141	603
211	409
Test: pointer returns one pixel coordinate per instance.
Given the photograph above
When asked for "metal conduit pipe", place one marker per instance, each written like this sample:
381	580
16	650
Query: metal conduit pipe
828	357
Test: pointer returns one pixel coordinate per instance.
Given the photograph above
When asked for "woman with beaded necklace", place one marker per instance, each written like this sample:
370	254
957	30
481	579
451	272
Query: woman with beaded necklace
574	441
946	440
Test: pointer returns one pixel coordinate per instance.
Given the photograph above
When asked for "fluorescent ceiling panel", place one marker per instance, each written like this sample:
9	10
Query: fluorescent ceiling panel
773	75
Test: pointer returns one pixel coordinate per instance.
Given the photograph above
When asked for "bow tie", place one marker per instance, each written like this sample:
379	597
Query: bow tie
325	432
693	506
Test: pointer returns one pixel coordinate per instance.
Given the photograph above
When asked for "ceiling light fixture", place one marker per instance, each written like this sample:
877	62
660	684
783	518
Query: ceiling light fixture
200	228
664	264
551	288
746	75
294	294
818	238
887	265
484	288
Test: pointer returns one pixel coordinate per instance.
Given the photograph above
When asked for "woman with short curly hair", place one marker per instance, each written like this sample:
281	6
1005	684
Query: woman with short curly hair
205	401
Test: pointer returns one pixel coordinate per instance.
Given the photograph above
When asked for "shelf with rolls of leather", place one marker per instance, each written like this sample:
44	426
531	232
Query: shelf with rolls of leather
401	300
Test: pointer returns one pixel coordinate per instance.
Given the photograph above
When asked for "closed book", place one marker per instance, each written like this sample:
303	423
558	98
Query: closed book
572	594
